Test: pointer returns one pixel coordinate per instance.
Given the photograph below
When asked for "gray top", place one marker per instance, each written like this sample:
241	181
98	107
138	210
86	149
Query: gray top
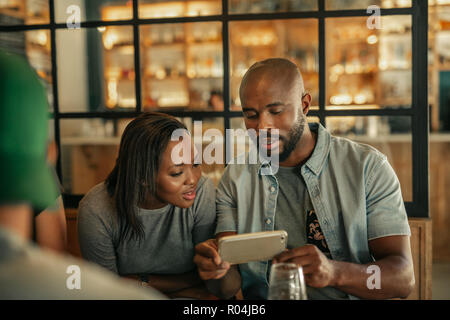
171	233
293	203
27	272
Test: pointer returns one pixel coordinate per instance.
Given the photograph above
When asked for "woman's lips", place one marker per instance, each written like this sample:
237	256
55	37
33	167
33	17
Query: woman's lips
189	195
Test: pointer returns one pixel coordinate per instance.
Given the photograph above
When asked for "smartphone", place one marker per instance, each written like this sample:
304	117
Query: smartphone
256	246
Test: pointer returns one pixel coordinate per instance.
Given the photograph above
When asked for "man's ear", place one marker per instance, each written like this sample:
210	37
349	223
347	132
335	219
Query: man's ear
306	103
52	153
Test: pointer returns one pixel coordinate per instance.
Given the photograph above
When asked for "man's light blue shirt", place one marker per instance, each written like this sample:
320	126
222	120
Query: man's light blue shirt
354	191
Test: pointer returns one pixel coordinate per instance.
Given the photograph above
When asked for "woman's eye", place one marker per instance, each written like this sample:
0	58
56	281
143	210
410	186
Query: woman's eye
176	174
195	165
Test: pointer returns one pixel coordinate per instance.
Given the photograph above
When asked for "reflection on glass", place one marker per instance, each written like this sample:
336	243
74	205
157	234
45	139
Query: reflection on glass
369	68
390	135
35	46
182	66
364	4
169	9
100	61
89	150
14	12
267	6
253	41
92	10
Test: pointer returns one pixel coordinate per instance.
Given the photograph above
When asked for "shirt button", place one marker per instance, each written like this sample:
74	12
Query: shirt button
268	221
272	189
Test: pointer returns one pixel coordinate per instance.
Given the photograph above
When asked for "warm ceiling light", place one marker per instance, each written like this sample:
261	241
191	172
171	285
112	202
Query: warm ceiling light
372	39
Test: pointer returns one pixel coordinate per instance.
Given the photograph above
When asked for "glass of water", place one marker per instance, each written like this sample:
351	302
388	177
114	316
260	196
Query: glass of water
286	282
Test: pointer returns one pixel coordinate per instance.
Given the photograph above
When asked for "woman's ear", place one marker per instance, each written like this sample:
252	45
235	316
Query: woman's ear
306	103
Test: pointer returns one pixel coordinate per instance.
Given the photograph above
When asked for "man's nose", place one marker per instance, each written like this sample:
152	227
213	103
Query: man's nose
265	123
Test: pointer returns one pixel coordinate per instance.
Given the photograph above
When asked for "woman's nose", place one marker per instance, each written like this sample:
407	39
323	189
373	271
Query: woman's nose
190	177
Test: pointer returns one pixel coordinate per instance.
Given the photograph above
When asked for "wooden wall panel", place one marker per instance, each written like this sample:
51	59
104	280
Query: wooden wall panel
421	248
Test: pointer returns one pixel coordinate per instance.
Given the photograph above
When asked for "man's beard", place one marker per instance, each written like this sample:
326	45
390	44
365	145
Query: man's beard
289	143
294	137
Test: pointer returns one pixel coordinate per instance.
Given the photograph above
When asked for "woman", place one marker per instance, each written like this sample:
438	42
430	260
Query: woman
144	221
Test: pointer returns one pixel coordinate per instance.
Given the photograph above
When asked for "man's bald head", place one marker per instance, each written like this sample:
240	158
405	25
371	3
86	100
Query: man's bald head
275	70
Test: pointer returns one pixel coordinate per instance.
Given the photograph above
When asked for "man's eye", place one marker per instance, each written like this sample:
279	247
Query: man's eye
275	111
195	165
250	116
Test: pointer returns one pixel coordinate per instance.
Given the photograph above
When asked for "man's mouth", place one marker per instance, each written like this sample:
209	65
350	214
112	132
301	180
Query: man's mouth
270	144
189	195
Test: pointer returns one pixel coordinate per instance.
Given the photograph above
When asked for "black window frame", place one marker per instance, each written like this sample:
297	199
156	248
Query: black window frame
417	208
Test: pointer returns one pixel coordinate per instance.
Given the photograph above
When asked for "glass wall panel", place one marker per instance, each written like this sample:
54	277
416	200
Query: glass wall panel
253	41
181	66
369	68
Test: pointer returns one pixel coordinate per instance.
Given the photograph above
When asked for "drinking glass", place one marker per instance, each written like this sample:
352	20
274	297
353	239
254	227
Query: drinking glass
286	282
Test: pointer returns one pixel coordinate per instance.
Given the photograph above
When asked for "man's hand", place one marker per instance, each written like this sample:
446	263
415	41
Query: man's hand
318	270
208	261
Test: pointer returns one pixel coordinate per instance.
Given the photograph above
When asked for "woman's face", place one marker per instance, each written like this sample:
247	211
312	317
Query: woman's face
178	175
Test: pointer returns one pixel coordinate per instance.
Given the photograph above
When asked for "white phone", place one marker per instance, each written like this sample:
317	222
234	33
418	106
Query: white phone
256	246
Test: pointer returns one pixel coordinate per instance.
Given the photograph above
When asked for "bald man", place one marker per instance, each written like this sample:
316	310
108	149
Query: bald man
340	202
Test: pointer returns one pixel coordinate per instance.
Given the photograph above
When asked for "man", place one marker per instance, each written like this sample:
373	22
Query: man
50	226
339	201
26	272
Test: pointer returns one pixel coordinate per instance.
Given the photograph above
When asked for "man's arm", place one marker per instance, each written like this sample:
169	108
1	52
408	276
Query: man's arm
392	255
51	229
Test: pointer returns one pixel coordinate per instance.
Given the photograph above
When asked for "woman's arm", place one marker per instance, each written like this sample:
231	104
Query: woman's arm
186	285
51	228
95	236
169	283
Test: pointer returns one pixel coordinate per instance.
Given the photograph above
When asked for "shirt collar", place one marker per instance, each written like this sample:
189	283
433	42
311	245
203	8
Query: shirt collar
319	155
